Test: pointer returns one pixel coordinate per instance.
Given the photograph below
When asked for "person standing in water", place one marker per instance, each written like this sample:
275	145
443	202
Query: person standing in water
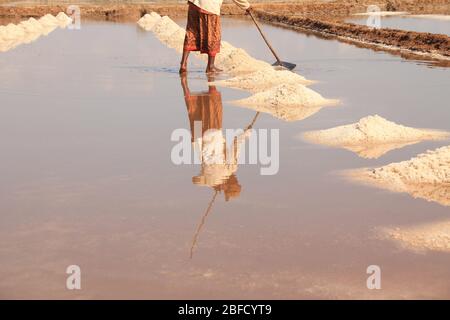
203	30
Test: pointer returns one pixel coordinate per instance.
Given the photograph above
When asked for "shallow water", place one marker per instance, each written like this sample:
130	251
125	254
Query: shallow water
87	177
410	23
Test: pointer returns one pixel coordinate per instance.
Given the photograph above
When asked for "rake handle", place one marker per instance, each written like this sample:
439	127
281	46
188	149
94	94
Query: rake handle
264	37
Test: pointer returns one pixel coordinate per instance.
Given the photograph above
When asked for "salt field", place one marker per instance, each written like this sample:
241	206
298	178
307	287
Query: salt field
87	175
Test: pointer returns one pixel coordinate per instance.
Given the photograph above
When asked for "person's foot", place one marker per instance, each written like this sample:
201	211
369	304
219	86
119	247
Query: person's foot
183	69
213	69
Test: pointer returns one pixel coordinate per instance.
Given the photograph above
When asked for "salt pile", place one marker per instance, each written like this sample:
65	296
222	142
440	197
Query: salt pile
426	176
27	31
11	32
372	136
287	95
238	61
63	19
32	26
431	236
176	40
164	28
49	21
283	92
148	21
226	48
262	80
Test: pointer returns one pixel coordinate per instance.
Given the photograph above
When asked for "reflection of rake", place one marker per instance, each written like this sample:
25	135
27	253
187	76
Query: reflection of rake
253	121
202	222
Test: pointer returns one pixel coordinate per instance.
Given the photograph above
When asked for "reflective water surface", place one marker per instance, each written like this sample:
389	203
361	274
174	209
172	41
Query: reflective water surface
419	24
87	178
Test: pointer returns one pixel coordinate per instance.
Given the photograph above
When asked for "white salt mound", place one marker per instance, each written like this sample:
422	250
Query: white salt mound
63	19
421	238
27	31
225	49
49	21
288	95
30	37
176	40
238	61
164	28
11	32
148	21
263	80
31	26
426	176
432	167
372	136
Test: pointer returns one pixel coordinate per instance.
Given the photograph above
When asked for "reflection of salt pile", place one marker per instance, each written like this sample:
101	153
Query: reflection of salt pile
431	236
372	136
263	80
426	176
27	31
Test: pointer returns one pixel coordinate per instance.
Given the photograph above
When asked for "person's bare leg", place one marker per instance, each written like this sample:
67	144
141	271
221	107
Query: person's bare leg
211	68
184	59
184	84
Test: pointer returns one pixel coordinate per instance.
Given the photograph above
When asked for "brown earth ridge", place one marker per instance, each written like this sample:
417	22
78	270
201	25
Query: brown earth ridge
317	17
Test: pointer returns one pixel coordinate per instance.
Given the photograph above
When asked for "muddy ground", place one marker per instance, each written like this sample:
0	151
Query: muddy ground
324	18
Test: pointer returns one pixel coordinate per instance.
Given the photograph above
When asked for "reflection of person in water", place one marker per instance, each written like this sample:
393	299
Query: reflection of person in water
218	163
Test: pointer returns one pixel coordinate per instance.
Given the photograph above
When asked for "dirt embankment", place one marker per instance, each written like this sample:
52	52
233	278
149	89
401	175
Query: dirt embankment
115	12
339	9
324	18
334	10
434	46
